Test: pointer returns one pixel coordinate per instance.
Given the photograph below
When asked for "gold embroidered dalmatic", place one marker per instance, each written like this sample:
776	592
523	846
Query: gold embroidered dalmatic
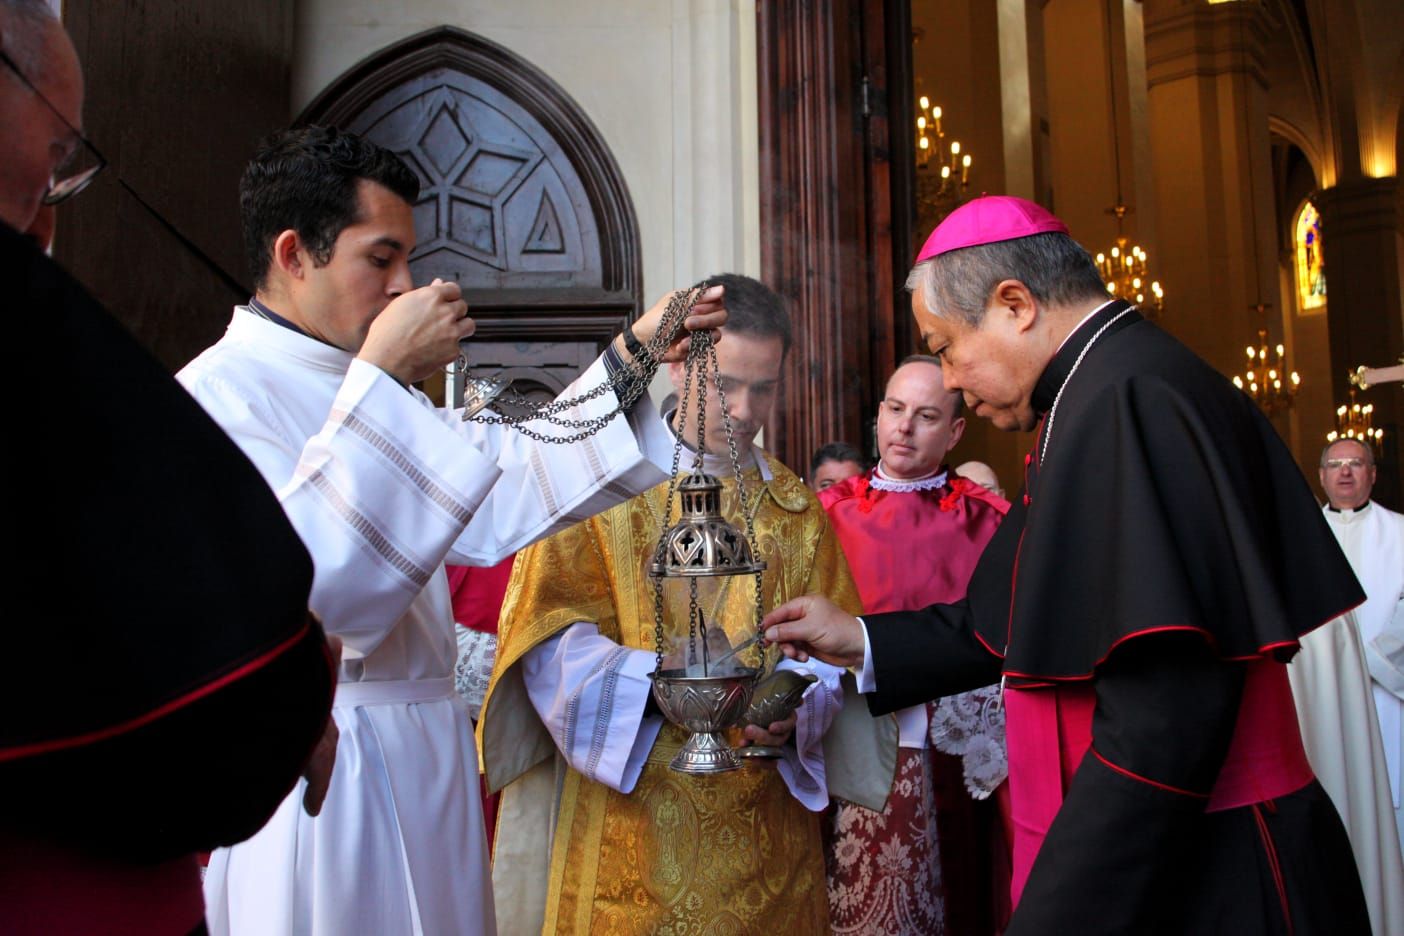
727	853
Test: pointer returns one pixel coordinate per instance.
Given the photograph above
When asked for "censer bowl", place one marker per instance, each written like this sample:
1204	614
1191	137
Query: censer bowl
705	706
774	699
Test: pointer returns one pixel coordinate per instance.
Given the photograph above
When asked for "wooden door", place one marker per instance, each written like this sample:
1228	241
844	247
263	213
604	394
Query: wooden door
836	209
179	92
520	199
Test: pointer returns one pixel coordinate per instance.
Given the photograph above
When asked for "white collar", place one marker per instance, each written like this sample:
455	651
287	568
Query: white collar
1346	514
718	466
251	328
1082	323
881	482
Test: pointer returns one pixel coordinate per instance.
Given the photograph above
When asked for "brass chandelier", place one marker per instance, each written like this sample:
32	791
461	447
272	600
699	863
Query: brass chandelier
1126	272
943	170
1267	379
1354	421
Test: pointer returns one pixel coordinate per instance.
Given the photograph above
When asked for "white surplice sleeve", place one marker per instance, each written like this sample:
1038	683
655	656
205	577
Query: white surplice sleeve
387	489
590	693
544	487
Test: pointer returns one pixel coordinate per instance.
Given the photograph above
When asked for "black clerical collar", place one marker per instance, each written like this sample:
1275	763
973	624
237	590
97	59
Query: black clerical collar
1058	369
263	312
1350	510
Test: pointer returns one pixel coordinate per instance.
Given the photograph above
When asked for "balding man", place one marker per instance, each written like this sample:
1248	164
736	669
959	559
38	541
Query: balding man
913	532
982	474
1352	739
165	683
1138	603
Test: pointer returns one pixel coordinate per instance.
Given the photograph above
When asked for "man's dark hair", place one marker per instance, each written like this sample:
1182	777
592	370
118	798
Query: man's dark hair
958	284
934	360
753	308
836	452
305	180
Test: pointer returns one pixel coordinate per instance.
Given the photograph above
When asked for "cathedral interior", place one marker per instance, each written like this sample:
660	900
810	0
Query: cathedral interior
1234	163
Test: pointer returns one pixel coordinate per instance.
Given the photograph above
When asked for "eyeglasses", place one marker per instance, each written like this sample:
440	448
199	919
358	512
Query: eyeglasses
80	164
1336	464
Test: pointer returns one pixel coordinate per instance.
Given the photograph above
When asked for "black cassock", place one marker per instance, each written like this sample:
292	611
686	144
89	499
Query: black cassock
163	682
1166	545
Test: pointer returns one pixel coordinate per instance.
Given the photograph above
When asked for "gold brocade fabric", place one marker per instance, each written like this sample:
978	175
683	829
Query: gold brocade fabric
680	854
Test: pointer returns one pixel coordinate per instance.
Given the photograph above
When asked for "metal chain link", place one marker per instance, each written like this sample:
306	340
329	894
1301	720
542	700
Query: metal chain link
629	384
745	506
702	357
660	551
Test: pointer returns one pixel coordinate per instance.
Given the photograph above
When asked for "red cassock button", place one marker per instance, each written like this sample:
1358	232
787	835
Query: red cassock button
1027	500
1028	459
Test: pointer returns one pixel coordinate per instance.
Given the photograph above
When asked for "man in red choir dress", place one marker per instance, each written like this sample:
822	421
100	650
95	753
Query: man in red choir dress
912	532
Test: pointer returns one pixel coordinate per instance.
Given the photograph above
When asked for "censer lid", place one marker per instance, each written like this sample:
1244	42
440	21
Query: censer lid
702	543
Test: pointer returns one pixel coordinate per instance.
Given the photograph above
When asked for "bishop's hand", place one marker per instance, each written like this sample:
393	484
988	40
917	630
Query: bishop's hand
708	312
813	626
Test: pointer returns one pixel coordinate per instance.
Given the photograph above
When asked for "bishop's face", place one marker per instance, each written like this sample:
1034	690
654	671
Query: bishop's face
369	267
995	365
750	375
1348	475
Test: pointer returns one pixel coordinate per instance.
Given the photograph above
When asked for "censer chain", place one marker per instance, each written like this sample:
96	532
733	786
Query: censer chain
629	384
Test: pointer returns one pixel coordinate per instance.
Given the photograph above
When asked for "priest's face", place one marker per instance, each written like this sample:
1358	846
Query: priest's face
750	376
369	267
996	364
1347	475
917	422
37	139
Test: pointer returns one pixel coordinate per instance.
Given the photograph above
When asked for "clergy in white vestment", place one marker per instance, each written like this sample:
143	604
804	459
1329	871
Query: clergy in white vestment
1350	722
312	380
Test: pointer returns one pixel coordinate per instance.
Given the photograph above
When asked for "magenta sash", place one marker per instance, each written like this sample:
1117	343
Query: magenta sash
1049	730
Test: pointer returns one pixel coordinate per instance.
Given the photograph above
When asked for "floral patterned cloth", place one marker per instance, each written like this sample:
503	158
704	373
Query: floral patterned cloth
970	725
884	868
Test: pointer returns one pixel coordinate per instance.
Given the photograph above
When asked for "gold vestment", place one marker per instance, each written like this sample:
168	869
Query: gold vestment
726	853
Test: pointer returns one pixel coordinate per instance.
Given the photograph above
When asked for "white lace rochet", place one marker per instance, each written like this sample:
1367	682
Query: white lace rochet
971	726
476	653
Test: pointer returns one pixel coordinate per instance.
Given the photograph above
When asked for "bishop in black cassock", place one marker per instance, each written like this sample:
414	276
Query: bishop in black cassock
1139	601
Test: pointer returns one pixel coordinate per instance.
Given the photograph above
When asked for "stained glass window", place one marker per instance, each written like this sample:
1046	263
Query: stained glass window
1311	266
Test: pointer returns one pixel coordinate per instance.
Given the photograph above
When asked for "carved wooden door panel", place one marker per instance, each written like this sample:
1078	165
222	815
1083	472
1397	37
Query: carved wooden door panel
520	200
500	206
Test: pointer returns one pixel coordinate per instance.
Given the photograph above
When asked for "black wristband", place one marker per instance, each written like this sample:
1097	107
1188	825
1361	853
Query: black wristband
631	341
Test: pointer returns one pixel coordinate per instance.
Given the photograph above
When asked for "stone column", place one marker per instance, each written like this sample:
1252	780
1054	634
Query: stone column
1212	168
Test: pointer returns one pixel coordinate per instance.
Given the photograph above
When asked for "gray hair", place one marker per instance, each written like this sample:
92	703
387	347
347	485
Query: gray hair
24	35
958	284
1369	452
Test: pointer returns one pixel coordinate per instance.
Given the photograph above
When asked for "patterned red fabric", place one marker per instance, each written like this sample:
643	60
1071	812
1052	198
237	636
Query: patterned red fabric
884	868
907	550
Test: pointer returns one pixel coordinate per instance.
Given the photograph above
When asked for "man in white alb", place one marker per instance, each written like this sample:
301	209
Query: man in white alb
312	380
1356	756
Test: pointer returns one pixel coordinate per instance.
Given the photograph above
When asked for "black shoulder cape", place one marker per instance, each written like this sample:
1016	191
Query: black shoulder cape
1165	501
152	560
